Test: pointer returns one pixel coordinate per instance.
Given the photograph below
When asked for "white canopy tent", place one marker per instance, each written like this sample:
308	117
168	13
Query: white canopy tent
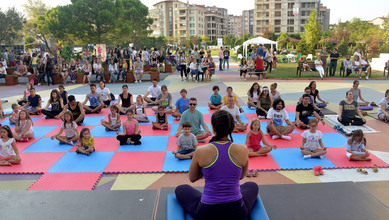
258	40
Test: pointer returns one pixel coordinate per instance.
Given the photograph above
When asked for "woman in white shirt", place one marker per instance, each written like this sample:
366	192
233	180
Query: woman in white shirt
113	71
319	67
98	70
274	93
357	66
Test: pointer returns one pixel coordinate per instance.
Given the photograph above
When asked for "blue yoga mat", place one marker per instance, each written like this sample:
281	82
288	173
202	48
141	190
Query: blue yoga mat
174	211
292	159
40	132
151	118
149	143
334	140
248	110
92	120
72	162
204	110
47	145
173	164
99	131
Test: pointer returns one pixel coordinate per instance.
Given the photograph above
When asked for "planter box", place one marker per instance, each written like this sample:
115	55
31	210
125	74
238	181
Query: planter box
154	75
168	68
130	77
57	78
80	78
107	76
11	80
10	71
147	68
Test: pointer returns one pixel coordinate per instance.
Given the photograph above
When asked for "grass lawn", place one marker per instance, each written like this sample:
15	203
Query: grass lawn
288	70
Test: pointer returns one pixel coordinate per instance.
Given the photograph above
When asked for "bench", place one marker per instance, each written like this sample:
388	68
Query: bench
251	72
300	68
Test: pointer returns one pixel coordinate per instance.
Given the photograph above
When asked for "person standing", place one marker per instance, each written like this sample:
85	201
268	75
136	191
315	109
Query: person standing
334	61
324	56
221	56
226	58
260	51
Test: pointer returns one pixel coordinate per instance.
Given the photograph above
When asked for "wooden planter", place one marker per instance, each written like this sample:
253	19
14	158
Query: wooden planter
10	71
130	77
32	77
168	68
10	80
107	76
154	75
57	78
80	78
147	68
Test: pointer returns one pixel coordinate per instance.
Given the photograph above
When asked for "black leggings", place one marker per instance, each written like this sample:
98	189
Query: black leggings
107	103
183	71
124	138
21	103
243	71
260	112
269	64
50	114
190	199
352	121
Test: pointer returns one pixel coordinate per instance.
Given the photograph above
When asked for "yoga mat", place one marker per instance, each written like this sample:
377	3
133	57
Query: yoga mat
149	143
239	138
103	144
172	164
99	131
147	130
40	132
74	163
292	159
290	108
92	120
263	163
333	140
66	181
48	122
23	145
320	127
333	119
378	189
33	163
326	111
207	118
57	129
203	110
339	158
375	115
295	142
248	110
136	162
47	145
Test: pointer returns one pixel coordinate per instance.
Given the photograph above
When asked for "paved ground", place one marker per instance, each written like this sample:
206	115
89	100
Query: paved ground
330	90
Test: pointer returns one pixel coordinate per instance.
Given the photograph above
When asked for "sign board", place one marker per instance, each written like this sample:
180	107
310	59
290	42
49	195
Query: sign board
295	10
220	42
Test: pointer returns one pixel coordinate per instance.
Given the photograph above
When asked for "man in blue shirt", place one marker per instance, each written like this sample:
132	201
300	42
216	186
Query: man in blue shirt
33	101
260	51
182	105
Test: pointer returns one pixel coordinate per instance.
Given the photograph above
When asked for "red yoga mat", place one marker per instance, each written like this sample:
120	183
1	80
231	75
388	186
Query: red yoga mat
263	163
338	157
295	142
136	162
66	181
103	144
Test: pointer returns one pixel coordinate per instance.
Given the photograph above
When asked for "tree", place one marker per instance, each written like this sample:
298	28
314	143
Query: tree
29	42
36	25
205	39
302	47
281	37
11	26
312	32
267	34
86	21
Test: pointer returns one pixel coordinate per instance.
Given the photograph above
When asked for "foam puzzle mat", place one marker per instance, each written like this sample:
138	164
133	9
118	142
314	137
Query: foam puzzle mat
52	159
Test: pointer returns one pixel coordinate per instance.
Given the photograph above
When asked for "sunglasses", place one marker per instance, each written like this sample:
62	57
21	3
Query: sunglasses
193	104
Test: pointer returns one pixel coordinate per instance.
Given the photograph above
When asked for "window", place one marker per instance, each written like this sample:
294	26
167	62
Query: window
303	21
192	25
191	12
290	21
277	14
277	22
277	6
192	32
192	19
290	5
277	29
290	29
302	29
290	14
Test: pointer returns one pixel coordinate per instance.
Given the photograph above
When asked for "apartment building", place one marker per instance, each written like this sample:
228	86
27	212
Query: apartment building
234	25
286	16
248	22
176	18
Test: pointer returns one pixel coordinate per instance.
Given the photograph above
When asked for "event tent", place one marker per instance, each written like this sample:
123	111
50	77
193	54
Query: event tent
258	40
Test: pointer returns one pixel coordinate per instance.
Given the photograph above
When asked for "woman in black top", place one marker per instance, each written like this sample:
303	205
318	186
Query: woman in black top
49	70
315	93
126	56
153	60
56	103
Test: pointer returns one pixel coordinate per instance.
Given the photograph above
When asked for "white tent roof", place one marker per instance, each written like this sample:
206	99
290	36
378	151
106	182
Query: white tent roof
259	40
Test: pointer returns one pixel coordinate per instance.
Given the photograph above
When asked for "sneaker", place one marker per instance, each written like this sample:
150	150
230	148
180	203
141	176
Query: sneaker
140	81
178	118
136	81
286	137
320	169
322	157
241	77
245	79
306	157
367	78
182	79
275	137
316	171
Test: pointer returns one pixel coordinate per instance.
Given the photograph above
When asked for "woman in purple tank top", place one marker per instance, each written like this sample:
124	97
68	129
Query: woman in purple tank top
222	164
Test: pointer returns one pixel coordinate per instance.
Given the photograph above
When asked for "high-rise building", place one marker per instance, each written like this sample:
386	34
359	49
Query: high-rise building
286	16
248	22
216	22
234	25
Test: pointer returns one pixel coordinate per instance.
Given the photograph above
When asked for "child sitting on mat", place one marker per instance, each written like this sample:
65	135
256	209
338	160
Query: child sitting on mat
23	127
140	112
254	138
161	123
70	128
216	99
113	123
15	114
131	132
186	143
87	143
355	147
9	153
312	144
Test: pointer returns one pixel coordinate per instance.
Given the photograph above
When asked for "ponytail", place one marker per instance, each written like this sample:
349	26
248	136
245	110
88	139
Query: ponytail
223	123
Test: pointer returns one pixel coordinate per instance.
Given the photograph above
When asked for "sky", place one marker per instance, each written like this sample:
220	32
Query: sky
342	10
